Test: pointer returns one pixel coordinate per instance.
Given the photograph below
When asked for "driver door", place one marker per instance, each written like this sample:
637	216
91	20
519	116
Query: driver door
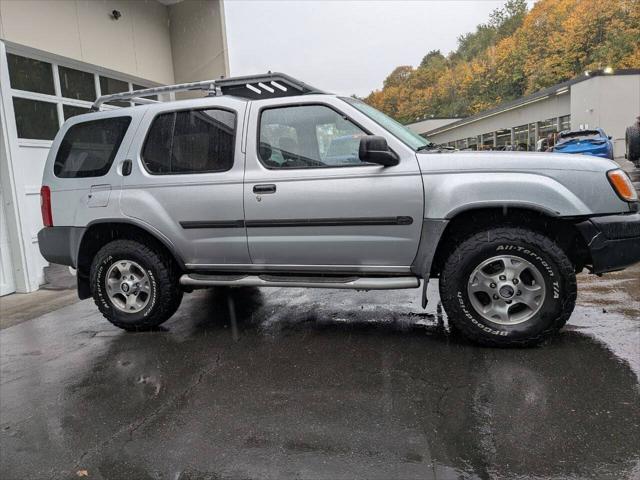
311	204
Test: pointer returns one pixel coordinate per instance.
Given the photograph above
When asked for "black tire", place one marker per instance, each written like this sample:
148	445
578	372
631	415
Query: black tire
165	294
552	264
632	141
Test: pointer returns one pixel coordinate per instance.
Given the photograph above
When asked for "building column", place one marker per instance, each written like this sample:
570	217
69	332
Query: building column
513	136
198	41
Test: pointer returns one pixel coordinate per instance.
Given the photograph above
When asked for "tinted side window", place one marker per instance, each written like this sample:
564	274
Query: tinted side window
88	148
190	141
308	136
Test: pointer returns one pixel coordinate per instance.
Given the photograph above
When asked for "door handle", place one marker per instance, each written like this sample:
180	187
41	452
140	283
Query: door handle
262	189
126	167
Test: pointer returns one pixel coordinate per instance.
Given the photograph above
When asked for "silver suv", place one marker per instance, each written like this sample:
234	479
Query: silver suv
268	181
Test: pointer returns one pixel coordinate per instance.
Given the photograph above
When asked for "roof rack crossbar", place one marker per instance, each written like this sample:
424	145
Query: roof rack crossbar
268	85
144	101
180	87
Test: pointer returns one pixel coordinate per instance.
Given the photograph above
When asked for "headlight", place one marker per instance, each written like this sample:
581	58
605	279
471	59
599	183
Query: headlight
621	183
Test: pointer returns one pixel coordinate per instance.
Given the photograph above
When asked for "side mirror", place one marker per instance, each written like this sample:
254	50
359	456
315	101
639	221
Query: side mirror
374	149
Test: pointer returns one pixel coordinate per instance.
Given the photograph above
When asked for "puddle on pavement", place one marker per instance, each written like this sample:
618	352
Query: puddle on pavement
350	384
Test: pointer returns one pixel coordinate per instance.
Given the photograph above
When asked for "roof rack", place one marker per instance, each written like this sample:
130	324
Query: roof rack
253	87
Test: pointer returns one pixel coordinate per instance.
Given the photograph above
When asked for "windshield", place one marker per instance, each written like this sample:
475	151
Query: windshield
396	129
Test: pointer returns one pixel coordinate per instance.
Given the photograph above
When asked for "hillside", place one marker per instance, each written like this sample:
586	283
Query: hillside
517	52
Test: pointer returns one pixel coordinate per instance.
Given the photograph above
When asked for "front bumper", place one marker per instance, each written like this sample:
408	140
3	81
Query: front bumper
613	241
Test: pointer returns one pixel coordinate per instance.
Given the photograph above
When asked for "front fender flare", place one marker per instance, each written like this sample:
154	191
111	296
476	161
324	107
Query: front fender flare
449	194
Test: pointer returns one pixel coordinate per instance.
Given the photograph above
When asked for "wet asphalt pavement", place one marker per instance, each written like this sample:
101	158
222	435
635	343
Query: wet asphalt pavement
321	385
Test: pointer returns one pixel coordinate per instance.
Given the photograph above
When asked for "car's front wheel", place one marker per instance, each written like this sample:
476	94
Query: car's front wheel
134	286
508	287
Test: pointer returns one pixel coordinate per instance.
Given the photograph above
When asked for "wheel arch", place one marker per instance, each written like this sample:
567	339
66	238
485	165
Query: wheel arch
100	232
470	221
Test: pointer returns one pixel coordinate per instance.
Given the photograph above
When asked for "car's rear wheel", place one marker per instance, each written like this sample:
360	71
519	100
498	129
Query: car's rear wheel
134	286
508	287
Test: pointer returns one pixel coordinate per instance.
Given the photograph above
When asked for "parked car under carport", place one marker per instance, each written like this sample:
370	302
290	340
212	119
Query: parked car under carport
586	142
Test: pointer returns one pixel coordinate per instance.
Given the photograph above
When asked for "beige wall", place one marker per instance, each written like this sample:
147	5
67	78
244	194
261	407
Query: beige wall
137	44
198	40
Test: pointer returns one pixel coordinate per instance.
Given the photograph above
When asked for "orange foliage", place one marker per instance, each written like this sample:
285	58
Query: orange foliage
557	40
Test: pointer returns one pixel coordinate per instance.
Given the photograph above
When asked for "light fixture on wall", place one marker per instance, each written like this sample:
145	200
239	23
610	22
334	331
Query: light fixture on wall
608	70
115	14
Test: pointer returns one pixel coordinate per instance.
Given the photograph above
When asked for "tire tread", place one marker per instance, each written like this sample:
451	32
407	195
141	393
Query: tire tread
510	234
169	294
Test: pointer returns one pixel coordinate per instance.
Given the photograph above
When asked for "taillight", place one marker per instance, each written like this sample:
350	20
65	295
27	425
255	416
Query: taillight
45	206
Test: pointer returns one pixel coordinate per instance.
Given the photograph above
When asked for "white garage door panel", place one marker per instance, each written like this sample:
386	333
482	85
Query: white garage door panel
33	157
7	284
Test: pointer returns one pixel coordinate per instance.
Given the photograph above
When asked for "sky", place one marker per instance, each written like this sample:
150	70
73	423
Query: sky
344	47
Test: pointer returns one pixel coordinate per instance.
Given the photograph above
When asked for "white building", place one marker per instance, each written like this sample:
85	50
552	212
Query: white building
608	99
56	57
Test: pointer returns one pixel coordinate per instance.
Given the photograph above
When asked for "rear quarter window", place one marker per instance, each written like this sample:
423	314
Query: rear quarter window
88	148
190	142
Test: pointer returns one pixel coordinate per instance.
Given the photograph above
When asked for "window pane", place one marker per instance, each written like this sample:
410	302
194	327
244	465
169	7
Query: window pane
521	136
29	74
141	87
72	111
88	148
503	139
35	119
308	137
405	134
77	84
109	86
532	137
487	141
547	127
193	141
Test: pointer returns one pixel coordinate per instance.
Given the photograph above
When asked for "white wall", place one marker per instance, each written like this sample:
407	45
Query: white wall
424	126
138	48
609	102
137	44
553	106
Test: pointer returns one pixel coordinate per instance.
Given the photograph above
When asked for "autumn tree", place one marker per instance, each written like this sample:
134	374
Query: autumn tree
515	53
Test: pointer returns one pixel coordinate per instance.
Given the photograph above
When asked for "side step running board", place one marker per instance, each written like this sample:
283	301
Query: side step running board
354	283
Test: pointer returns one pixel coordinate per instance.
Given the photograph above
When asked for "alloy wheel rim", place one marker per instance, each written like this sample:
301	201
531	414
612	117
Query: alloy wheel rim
128	286
506	290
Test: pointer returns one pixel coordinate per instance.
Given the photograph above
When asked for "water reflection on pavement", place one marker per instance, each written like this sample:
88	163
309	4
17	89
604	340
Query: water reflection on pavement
321	384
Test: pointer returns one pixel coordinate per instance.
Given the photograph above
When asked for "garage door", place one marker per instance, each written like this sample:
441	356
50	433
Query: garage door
7	284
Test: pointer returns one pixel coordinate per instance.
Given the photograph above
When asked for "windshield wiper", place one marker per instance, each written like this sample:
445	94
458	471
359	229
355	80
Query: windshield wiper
428	146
